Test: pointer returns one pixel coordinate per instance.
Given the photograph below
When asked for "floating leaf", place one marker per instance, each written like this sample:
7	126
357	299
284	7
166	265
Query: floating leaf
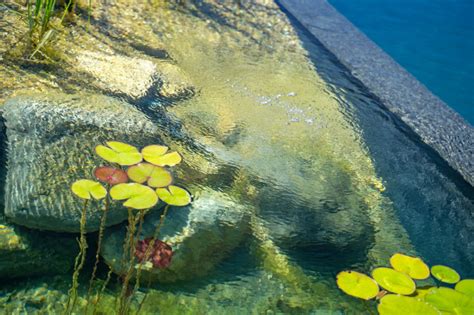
398	304
155	176
422	291
174	195
357	284
110	175
466	287
86	189
118	152
412	266
394	281
450	301
137	196
445	274
156	154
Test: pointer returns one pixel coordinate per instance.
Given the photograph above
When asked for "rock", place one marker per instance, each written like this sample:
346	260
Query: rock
51	140
28	253
201	235
134	77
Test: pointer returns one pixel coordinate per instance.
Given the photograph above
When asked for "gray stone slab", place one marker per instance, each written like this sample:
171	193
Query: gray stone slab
437	125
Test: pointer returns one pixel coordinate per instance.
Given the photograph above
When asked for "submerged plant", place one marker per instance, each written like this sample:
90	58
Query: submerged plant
151	183
400	293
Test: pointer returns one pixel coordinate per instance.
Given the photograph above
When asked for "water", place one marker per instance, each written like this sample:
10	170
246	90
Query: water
330	181
434	40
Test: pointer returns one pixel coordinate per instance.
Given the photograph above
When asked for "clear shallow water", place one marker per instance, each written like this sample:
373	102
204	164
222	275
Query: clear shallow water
332	181
434	40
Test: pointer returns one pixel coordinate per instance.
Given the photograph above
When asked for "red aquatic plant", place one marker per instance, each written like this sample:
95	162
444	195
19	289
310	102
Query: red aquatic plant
110	175
160	255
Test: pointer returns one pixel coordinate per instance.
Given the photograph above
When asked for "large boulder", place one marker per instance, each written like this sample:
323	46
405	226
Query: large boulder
201	235
51	140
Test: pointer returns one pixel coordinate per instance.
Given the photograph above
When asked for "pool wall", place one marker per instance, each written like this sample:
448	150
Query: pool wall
436	124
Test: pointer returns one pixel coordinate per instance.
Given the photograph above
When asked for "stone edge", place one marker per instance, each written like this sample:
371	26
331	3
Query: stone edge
430	118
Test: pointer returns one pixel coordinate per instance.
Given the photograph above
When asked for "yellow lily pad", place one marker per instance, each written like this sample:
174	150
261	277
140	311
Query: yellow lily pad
87	189
154	176
466	287
119	152
394	281
422	291
392	304
450	301
412	266
156	154
445	274
137	196
357	284
174	195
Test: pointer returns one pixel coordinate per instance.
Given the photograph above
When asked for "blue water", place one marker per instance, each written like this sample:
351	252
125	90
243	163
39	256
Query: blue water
432	39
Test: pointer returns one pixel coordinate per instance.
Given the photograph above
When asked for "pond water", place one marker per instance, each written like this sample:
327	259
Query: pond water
328	178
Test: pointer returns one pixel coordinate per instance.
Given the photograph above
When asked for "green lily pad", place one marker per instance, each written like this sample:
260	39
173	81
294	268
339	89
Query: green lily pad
445	274
412	266
137	196
174	195
119	152
394	281
156	154
398	304
422	291
357	284
154	176
466	287
450	301
85	189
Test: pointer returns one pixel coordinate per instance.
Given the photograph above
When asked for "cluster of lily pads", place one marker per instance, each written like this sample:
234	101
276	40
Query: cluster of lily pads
138	179
397	293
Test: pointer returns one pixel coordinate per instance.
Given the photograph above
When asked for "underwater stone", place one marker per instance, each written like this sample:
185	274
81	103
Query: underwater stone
133	77
27	253
51	141
201	235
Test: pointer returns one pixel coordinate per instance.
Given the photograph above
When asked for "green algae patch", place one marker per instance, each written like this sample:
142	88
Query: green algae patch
412	266
137	196
357	284
398	304
119	152
394	281
87	189
445	274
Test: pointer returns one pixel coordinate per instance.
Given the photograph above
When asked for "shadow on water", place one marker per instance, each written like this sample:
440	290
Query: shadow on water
433	202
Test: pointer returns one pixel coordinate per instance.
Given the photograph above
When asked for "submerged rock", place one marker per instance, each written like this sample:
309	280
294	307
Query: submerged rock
27	253
134	77
201	235
51	140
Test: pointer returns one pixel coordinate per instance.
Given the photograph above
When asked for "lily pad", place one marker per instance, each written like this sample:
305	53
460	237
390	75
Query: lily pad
466	287
450	301
110	175
445	274
412	266
154	176
156	154
394	281
87	189
137	196
174	195
357	284
119	152
398	304
422	291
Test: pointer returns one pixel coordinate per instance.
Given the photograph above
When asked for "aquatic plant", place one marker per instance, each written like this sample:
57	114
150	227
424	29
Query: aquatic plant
84	189
151	182
400	292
